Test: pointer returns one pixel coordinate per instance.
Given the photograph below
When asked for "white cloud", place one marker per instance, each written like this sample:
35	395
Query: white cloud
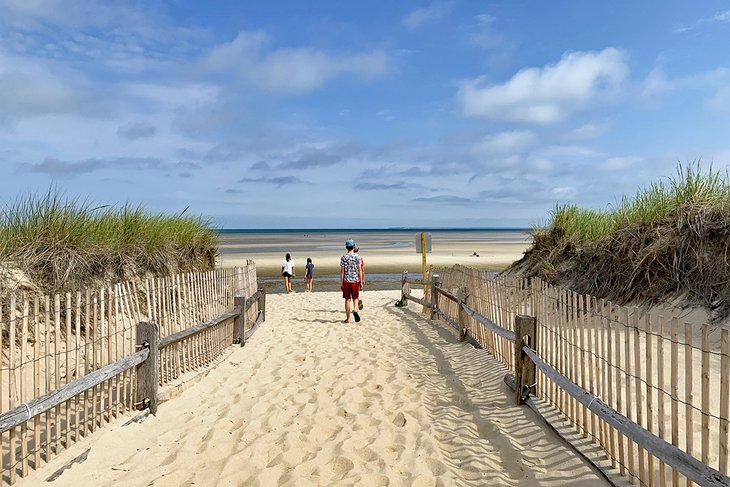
90	19
484	35
542	164
292	70
621	163
485	19
62	13
563	192
244	48
549	94
720	101
385	115
590	130
505	142
30	88
713	84
556	151
722	16
433	13
172	95
656	83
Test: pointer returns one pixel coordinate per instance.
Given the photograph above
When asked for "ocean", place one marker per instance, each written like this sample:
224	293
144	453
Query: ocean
387	251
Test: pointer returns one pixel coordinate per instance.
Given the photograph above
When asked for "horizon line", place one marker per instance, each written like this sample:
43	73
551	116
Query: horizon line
360	229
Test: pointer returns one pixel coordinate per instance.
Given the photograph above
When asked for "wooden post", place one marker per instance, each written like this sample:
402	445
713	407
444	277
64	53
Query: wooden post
404	287
147	372
262	303
239	323
423	262
461	295
525	332
436	283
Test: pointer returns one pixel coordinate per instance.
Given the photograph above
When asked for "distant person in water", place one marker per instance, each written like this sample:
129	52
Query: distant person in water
350	279
287	271
309	274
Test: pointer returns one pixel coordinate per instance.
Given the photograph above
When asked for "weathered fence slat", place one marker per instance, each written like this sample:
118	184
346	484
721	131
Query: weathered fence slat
626	364
418	300
34	407
179	336
689	466
493	327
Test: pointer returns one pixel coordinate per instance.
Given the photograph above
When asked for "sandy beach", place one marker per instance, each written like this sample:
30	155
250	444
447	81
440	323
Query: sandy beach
396	400
386	254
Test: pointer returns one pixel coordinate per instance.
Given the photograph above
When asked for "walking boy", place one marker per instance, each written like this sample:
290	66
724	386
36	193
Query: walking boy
350	278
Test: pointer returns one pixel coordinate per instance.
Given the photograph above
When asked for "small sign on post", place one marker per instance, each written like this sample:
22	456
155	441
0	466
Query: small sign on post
419	242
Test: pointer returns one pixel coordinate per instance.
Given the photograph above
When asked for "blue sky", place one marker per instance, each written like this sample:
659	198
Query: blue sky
359	114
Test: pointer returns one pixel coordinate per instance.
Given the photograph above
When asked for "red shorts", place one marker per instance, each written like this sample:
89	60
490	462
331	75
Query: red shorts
351	289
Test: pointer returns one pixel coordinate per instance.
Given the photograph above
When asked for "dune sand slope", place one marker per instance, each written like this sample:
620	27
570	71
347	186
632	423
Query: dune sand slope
395	400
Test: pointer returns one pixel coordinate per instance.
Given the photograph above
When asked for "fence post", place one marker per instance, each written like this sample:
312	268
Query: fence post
239	323
262	303
404	288
461	295
148	336
525	331
435	283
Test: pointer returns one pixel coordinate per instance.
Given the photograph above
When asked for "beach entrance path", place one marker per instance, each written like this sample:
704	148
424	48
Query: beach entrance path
396	400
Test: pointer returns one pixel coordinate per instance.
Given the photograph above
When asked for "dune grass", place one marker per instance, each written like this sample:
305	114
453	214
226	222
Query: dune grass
62	242
691	190
671	239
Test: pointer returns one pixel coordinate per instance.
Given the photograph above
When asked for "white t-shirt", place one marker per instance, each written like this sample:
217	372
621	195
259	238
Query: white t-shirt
288	266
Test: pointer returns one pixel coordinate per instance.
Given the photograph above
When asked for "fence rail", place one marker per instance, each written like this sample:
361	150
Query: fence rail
71	363
27	411
604	367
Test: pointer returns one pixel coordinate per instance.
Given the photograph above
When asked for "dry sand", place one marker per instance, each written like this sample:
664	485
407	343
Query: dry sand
395	400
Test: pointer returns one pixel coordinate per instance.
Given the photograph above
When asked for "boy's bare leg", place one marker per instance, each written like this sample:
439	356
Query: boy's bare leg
347	309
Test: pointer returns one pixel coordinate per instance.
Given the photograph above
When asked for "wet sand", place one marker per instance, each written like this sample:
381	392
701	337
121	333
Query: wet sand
384	253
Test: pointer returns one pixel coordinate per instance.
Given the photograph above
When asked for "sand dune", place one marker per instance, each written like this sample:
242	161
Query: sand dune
394	400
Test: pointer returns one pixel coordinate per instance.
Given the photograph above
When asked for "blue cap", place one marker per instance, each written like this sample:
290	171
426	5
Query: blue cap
349	243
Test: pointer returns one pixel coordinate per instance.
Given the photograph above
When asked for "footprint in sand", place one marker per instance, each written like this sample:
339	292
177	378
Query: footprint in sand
436	467
168	459
374	480
325	433
204	441
367	454
341	466
275	461
424	481
395	451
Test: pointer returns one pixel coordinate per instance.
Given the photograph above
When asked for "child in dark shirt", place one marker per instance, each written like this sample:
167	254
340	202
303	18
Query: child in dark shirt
309	275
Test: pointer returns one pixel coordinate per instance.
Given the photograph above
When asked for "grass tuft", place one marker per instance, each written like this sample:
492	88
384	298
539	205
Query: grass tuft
64	243
670	239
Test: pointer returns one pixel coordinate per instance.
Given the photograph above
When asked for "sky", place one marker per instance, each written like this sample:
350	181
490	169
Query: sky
332	114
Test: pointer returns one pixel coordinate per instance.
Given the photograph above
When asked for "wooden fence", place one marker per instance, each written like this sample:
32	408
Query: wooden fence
82	352
651	391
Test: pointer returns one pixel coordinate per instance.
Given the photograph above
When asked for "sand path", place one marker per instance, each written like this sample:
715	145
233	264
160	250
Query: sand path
394	400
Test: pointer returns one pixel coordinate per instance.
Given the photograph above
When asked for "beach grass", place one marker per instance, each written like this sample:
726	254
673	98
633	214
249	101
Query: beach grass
61	241
667	241
691	190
